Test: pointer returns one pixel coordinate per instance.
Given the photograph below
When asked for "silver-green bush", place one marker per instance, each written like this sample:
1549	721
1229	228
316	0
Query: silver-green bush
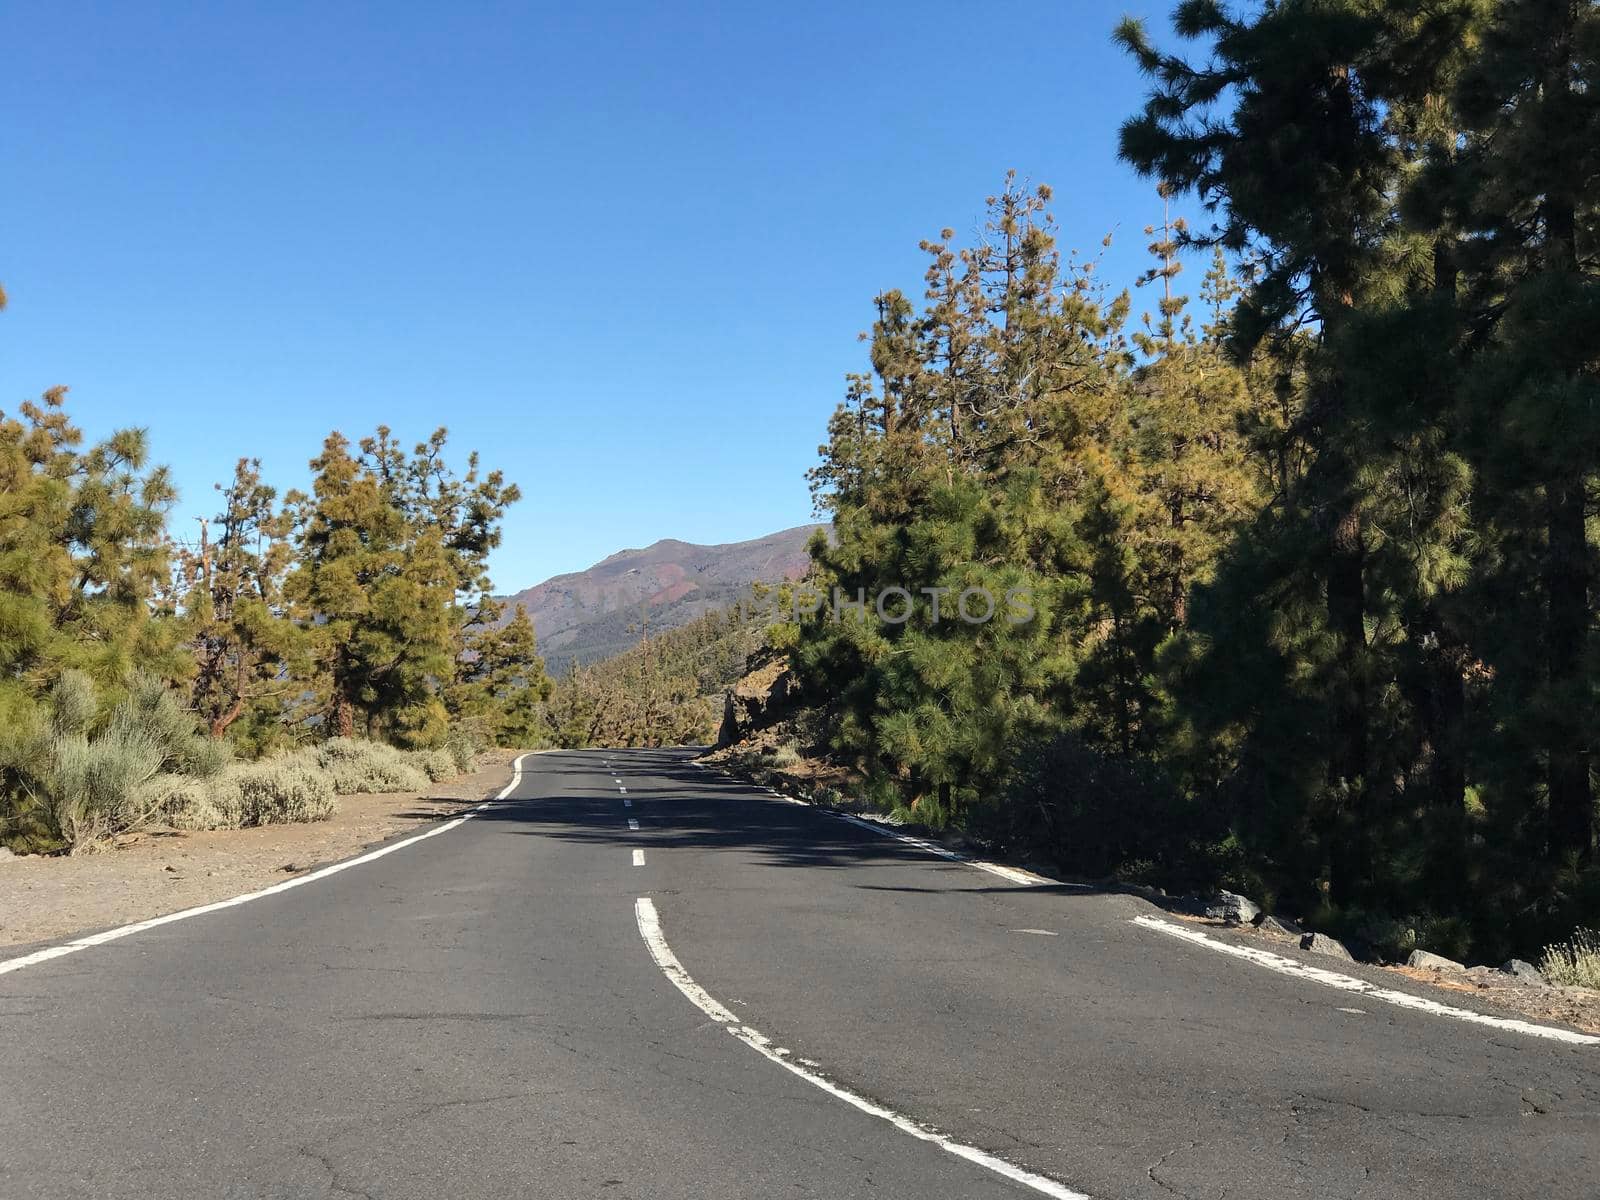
153	709
72	703
184	802
464	745
208	757
94	786
435	764
282	790
356	765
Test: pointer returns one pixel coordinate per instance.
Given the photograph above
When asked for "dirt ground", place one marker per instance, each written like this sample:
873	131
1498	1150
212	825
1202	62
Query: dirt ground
148	874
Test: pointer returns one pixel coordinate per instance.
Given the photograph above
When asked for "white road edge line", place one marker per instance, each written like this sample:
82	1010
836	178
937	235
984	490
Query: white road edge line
1014	874
1349	983
638	858
650	929
110	935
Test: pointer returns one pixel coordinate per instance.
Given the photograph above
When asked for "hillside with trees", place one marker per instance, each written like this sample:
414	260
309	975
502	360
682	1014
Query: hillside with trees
666	691
601	612
1309	547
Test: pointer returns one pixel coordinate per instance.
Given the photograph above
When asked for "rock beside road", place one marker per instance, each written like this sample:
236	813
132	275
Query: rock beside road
1267	923
1321	943
758	700
1232	908
1433	962
1523	972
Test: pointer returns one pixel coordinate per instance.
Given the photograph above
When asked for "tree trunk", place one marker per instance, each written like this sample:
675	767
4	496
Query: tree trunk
344	716
1571	801
219	724
1347	764
1571	811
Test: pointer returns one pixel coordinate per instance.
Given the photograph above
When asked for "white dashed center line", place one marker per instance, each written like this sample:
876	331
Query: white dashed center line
638	858
632	824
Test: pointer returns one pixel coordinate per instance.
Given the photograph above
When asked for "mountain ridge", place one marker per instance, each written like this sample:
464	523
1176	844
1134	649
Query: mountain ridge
582	616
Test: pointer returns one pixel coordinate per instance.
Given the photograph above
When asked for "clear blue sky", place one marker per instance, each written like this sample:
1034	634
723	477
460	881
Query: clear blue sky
624	250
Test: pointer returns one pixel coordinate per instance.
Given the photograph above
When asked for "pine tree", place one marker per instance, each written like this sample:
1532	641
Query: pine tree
502	682
1304	167
245	642
1531	111
381	591
953	470
82	553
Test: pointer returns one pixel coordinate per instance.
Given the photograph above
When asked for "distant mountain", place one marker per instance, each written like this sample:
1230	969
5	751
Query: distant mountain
594	614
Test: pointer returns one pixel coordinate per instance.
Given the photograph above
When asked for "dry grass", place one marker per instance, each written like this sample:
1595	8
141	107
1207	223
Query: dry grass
1575	962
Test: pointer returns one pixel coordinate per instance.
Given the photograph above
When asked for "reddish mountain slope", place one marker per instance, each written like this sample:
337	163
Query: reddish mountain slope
592	614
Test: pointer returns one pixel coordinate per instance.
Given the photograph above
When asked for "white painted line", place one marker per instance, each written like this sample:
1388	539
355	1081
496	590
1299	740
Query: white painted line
1349	983
650	929
638	858
1039	932
122	931
623	790
626	803
1014	874
632	824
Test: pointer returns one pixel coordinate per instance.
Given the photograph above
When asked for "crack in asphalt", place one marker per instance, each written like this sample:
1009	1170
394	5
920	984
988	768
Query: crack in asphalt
336	1184
1161	1162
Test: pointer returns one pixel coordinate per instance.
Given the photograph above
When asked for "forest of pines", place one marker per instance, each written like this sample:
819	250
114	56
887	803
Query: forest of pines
1313	551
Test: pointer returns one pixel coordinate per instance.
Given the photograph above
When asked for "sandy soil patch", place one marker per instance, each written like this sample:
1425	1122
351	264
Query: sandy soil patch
160	871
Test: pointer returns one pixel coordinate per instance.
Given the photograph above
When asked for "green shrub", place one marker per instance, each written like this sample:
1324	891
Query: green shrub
208	758
94	786
184	802
283	790
435	764
1575	962
153	710
464	743
356	765
73	703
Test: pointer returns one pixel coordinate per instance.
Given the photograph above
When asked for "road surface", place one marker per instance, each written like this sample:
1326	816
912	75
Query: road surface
739	998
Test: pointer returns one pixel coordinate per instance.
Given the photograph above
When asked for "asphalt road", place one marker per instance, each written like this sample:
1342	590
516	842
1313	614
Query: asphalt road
480	1015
